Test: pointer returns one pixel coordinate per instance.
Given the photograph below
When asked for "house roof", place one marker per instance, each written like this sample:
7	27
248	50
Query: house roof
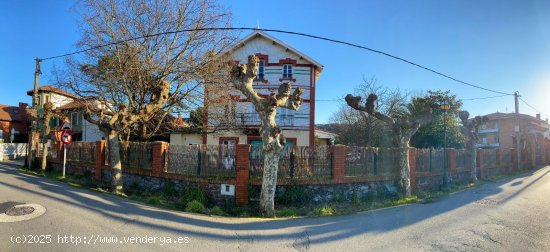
48	88
9	113
531	120
77	104
258	33
324	134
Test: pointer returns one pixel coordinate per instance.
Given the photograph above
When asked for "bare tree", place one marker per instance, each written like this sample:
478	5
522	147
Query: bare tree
470	128
404	124
357	128
242	77
49	114
148	68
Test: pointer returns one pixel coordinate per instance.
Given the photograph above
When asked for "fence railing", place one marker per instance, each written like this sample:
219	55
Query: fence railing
201	160
356	163
136	155
295	162
81	151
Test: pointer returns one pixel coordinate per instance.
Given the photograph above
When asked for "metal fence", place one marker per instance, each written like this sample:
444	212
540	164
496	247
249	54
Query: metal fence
136	155
360	161
295	162
202	160
81	151
463	158
429	160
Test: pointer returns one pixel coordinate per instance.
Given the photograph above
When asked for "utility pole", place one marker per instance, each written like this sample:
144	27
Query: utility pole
35	123
445	106
516	129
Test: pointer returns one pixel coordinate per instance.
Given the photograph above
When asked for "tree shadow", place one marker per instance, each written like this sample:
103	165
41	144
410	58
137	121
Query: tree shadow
318	230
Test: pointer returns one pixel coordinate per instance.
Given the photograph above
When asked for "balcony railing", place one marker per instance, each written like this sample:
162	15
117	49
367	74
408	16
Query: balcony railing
253	119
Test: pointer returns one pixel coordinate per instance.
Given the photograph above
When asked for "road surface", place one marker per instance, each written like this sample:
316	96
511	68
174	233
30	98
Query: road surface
511	215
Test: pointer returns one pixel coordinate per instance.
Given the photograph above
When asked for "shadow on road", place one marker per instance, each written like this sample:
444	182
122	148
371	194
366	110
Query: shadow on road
318	230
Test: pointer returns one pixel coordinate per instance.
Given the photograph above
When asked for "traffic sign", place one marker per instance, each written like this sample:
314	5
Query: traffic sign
66	126
66	137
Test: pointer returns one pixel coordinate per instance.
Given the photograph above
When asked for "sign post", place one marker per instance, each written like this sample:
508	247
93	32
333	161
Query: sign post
66	138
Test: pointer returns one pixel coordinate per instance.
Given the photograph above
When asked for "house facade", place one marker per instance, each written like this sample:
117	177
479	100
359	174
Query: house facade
71	106
499	131
14	123
279	63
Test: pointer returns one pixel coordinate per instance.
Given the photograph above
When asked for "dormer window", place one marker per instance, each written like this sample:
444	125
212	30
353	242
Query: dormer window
261	70
287	71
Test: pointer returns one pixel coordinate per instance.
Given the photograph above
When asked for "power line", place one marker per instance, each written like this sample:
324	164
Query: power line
537	110
292	33
484	98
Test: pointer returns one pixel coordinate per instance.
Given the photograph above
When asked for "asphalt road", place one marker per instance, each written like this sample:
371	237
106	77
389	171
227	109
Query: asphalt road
511	215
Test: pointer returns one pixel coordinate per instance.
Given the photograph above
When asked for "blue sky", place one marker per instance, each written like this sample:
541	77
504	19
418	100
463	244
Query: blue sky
501	45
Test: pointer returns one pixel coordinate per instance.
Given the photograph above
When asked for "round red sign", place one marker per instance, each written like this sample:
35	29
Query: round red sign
66	137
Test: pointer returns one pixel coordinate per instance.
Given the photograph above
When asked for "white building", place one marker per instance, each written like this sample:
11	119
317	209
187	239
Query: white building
72	105
279	63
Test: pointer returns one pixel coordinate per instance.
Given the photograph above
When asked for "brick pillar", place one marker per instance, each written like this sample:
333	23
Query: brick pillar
99	158
243	174
412	166
480	162
57	145
338	163
158	163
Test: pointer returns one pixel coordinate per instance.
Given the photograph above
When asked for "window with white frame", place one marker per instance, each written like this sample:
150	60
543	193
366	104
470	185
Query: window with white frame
287	71
74	119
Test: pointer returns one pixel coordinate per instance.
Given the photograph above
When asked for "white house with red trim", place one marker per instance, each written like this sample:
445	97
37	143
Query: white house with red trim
279	63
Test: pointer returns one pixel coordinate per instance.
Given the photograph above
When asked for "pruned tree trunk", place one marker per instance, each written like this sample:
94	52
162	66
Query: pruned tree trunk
44	157
269	185
470	128
48	114
404	168
242	77
114	161
402	128
473	164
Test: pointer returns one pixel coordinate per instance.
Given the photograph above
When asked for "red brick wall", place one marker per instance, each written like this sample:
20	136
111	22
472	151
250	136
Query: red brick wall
338	163
243	174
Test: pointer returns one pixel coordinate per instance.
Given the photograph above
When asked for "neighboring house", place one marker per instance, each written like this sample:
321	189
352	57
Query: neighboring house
72	105
13	123
81	128
499	131
52	94
324	138
279	63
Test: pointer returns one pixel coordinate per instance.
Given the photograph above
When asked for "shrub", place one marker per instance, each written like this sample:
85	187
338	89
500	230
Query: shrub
355	199
294	194
194	193
195	207
338	198
153	200
287	212
169	189
324	211
216	210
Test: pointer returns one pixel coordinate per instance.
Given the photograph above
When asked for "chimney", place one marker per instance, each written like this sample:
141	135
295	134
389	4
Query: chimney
538	116
179	122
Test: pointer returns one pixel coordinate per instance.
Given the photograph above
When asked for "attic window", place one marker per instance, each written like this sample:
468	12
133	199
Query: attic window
16	110
287	71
